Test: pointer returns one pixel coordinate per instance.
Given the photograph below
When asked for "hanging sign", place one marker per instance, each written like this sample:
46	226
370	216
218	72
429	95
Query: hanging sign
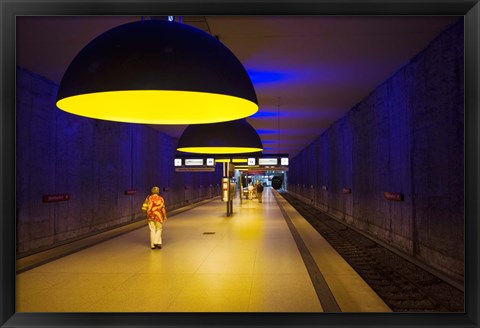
177	162
267	161
193	161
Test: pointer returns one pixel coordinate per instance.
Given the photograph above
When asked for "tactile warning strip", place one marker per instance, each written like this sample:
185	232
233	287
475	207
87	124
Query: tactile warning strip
325	295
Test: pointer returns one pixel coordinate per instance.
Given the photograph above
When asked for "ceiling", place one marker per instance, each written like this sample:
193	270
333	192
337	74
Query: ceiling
308	71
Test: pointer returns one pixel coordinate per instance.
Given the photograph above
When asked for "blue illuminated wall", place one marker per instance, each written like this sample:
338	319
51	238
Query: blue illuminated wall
405	137
95	162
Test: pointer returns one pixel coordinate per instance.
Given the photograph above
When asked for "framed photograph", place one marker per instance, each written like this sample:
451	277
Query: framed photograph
304	173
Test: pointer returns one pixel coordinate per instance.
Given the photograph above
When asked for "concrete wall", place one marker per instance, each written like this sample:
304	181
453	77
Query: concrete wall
95	162
407	136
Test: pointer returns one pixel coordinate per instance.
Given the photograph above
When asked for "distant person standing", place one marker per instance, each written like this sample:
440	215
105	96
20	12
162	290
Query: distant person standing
250	191
154	205
259	189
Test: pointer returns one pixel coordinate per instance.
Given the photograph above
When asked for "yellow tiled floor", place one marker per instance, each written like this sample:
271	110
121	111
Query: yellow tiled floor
250	264
351	292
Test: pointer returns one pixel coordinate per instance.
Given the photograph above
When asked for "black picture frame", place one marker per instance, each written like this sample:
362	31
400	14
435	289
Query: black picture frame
9	9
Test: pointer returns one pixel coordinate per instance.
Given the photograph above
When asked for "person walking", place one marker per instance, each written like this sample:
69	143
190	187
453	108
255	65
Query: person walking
154	205
259	189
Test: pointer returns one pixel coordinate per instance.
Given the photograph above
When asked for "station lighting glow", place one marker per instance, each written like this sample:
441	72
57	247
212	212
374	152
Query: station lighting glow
157	72
218	150
232	137
157	106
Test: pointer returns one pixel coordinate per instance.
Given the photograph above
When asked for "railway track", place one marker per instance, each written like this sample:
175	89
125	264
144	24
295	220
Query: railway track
402	285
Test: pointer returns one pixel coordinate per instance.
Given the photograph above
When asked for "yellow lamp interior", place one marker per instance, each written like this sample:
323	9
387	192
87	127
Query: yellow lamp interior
219	150
159	106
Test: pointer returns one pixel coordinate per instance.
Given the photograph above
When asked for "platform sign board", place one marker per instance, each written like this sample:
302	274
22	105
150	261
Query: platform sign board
56	198
178	162
284	161
268	161
251	161
210	162
225	189
194	162
396	196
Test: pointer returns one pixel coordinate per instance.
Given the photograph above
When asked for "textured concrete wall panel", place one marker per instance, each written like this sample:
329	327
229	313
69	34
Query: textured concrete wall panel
95	162
406	136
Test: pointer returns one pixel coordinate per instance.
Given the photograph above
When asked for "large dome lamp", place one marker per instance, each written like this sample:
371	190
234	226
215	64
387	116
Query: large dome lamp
157	72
